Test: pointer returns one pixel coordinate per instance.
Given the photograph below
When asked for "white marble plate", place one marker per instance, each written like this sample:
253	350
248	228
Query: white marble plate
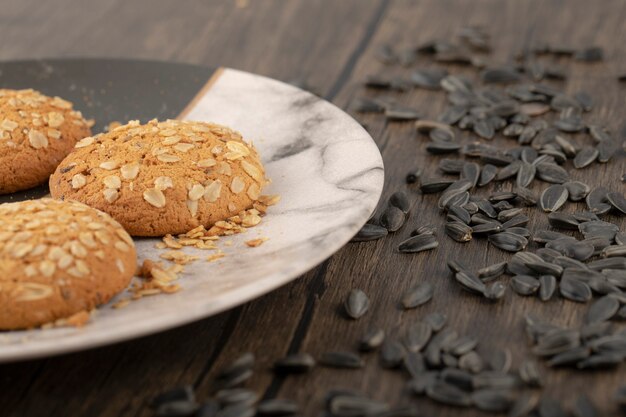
323	163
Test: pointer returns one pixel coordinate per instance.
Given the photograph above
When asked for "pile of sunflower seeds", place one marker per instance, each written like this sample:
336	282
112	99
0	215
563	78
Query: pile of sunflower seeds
581	257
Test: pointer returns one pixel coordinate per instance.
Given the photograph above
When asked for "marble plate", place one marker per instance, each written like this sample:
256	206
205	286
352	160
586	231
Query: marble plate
323	163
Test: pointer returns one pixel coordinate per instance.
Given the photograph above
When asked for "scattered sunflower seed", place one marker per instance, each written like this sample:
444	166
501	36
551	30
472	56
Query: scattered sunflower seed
356	304
339	359
370	232
419	243
418	295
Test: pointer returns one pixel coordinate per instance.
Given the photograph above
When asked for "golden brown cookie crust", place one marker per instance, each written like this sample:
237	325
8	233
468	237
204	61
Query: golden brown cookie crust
163	177
57	259
36	133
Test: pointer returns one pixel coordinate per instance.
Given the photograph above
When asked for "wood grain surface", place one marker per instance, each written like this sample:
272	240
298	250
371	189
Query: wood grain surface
330	45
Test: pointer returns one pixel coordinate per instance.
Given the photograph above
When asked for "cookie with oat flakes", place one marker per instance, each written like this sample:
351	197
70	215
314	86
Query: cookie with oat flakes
163	177
57	259
36	133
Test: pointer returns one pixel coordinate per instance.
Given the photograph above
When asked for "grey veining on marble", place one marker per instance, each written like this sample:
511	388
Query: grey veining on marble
329	174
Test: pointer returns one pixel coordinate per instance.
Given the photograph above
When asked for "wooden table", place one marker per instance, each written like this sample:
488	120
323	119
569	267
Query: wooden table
331	46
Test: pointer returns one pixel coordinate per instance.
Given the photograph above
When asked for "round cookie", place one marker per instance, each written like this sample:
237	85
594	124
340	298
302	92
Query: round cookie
163	177
36	133
57	259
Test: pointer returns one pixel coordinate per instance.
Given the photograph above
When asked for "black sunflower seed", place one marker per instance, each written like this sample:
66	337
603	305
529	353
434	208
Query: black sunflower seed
470	282
487	174
356	304
346	405
471	172
495	291
602	309
451	166
340	359
519	220
295	363
500	75
590	54
547	287
509	171
401	114
457	377
553	197
428	78
598	228
277	407
552	173
525	196
392	219
509	242
563	221
577	190
370	232
459	231
417	336
494	380
177	408
443	136
557	341
435	185
422	381
484	129
452	114
400	200
585	157
601	360
440	148
418	295
493	400
502	196
419	243
366	105
238	371
376	81
585	100
570	357
492	272
530	373
525	174
392	354
545	236
436	321
606	150
486	207
425	229
617	200
525	284
575	290
460	213
448	394
611	251
596	200
501	360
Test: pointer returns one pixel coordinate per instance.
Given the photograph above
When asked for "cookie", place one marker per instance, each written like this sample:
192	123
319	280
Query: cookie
36	133
162	177
57	259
